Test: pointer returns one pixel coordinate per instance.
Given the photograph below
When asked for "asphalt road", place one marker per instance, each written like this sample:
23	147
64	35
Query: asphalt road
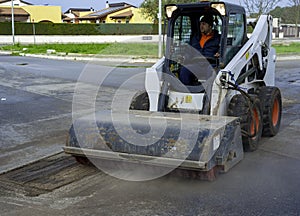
35	109
74	70
36	102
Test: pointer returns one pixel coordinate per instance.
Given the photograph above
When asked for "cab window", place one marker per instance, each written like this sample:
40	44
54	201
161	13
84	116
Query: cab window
235	35
182	31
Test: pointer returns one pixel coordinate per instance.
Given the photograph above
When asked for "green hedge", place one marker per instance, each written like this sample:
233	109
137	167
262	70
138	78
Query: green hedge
78	29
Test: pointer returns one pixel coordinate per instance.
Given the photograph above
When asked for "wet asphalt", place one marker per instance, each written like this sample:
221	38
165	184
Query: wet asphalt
35	115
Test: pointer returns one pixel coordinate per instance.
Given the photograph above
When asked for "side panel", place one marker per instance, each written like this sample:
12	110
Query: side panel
269	78
153	83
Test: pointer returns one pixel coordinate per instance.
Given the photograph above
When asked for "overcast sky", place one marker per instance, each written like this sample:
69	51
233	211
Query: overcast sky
96	4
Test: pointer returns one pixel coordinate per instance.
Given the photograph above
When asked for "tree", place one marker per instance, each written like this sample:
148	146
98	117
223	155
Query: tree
296	10
259	7
288	15
150	7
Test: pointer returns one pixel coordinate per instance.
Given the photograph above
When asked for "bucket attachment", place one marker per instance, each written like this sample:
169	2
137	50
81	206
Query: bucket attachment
178	140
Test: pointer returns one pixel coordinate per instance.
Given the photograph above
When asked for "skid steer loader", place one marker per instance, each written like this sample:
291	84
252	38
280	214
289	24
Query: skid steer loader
203	127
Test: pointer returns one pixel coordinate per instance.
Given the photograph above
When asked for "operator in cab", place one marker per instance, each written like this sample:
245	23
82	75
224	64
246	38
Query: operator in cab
207	42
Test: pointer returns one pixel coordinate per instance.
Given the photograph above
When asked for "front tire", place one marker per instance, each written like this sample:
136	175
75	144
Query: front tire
271	108
250	116
140	101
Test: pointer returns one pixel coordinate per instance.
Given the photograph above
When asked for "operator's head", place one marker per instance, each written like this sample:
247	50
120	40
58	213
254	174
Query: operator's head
206	24
207	19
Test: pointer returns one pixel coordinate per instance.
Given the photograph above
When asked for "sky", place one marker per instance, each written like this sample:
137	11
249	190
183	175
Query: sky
98	4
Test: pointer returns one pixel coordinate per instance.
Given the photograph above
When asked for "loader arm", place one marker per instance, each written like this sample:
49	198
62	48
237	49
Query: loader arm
258	43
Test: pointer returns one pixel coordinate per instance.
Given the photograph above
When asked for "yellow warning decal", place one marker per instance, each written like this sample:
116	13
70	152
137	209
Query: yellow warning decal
247	55
188	99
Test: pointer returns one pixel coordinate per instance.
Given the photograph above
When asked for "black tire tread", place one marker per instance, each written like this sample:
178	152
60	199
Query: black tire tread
239	107
140	101
267	94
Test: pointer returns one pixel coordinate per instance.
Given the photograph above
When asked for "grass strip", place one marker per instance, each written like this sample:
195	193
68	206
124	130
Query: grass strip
287	48
131	49
135	49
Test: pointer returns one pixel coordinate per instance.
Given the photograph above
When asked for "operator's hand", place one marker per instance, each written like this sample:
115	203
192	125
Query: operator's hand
181	59
217	55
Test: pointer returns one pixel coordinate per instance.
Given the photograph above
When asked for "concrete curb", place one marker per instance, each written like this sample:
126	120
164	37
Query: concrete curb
288	57
95	58
118	59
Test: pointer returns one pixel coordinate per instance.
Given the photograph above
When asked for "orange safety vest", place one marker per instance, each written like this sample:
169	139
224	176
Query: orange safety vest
204	38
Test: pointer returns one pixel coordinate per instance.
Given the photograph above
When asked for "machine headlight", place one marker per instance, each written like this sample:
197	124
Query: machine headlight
219	7
170	9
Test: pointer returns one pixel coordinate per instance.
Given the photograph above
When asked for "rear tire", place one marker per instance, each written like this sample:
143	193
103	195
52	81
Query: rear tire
250	119
271	108
140	101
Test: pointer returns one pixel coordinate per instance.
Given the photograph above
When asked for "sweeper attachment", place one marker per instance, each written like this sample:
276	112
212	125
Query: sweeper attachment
204	125
189	141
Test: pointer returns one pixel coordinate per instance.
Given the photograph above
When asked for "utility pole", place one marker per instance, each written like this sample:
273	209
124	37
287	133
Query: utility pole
12	22
159	29
33	31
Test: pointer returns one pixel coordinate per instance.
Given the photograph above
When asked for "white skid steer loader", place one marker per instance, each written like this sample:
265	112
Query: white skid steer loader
207	125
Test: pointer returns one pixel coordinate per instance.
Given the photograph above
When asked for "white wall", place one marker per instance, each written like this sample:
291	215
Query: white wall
40	39
16	3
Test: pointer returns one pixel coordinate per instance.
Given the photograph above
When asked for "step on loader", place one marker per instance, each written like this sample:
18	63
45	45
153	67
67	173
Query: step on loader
204	126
